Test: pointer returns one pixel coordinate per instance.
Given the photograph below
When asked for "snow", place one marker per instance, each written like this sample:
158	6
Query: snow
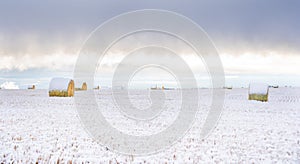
9	85
258	88
60	84
34	127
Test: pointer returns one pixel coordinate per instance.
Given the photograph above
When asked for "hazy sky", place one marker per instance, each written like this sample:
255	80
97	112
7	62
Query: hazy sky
255	39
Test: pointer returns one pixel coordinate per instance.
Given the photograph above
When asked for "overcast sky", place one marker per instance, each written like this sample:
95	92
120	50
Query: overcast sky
41	39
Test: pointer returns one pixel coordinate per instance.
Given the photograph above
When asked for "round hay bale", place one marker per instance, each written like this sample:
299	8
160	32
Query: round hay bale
61	87
84	86
31	87
259	92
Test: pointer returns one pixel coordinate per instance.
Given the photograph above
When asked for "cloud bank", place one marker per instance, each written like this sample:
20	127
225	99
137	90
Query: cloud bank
252	36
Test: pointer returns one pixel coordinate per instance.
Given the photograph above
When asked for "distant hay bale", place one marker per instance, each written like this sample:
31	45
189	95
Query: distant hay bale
227	87
31	87
276	86
61	87
259	92
84	86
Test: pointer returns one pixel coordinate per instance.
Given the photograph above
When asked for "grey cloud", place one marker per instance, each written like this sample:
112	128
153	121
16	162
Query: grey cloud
41	27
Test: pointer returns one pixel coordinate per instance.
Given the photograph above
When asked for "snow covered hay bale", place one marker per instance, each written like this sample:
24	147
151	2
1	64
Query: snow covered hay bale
259	92
61	87
31	87
84	86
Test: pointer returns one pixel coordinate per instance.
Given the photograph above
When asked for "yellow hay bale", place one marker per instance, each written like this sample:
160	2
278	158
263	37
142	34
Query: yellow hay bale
84	86
61	87
258	92
31	87
258	97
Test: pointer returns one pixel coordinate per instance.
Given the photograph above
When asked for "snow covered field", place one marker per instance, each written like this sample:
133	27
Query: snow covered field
37	128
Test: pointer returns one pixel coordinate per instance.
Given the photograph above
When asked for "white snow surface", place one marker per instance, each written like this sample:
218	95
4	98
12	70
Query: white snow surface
38	128
258	88
59	83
